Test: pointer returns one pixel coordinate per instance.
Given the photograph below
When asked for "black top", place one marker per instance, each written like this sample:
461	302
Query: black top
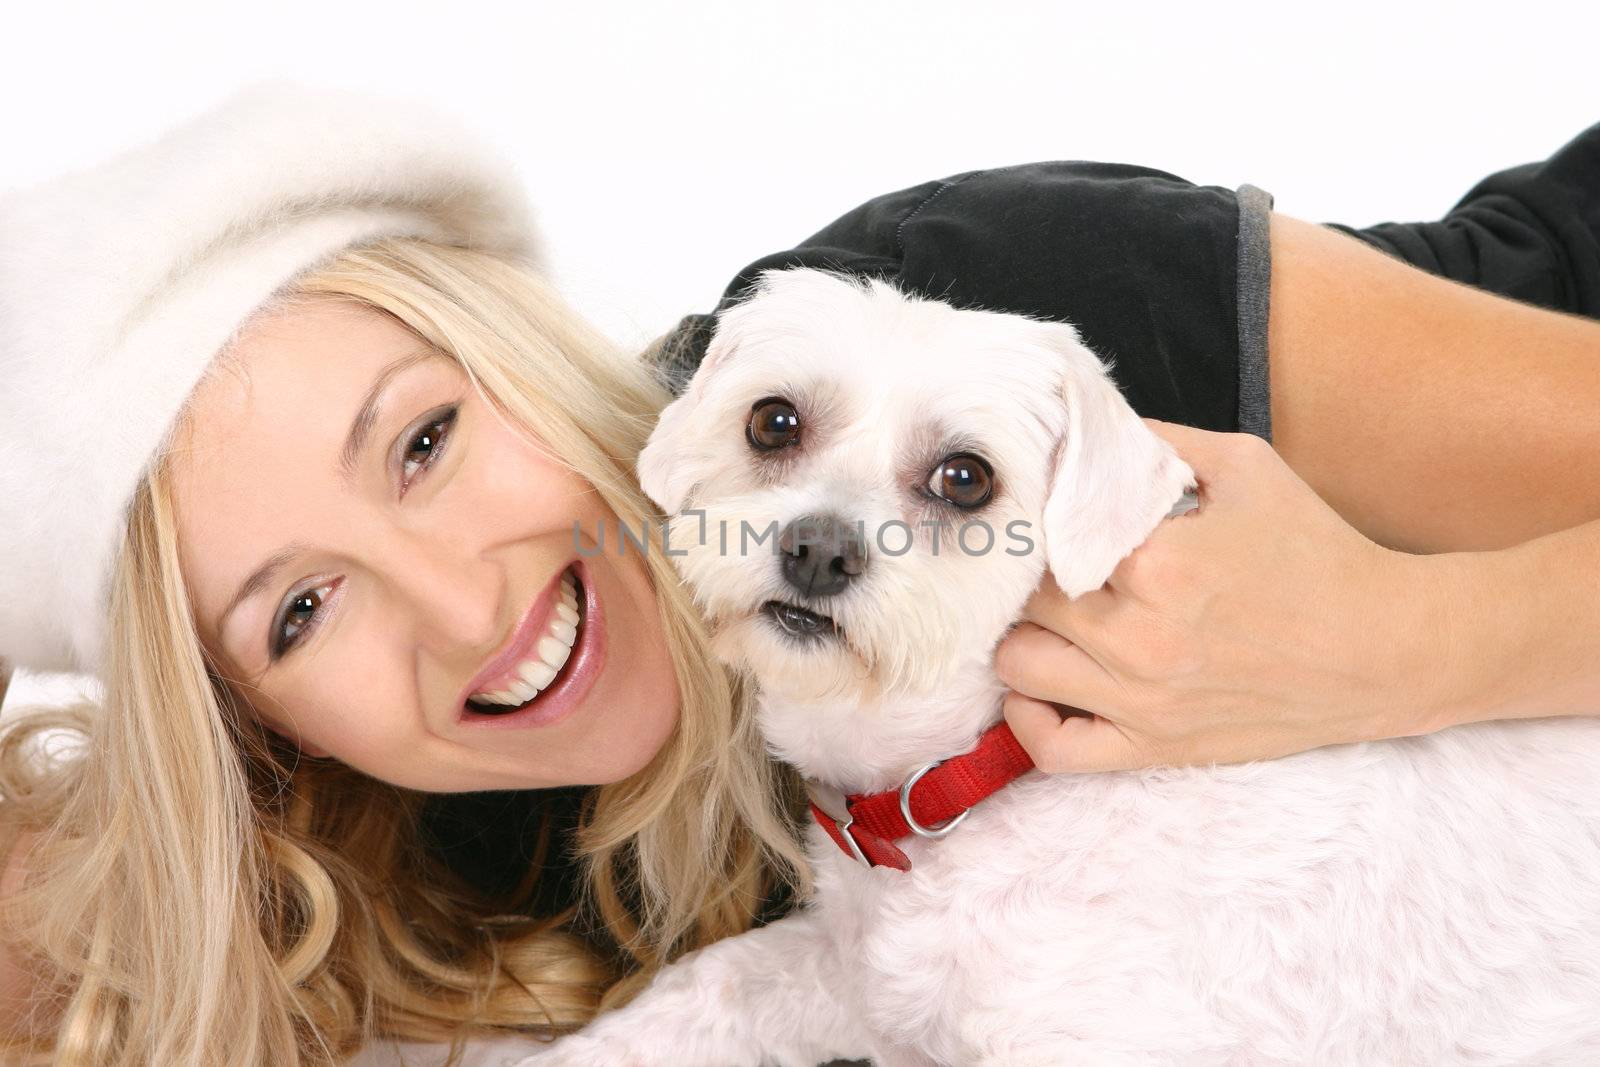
1530	232
1156	273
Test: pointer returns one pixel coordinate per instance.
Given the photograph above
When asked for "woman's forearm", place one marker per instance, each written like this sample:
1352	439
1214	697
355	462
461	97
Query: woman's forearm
1433	416
1518	629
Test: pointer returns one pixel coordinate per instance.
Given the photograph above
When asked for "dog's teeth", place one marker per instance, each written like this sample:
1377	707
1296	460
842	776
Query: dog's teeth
799	621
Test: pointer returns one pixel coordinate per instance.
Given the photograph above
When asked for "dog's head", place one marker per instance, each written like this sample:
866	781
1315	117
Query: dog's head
867	486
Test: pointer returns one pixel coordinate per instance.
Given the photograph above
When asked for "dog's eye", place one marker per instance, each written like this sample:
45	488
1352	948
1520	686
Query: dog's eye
964	479
774	423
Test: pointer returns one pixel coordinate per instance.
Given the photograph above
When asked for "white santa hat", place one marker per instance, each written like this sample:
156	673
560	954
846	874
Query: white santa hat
120	283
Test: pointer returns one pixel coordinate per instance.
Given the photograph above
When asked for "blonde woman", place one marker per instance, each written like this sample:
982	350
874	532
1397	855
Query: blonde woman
305	460
228	861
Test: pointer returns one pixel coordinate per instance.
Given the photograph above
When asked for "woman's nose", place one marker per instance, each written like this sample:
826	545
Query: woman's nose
455	595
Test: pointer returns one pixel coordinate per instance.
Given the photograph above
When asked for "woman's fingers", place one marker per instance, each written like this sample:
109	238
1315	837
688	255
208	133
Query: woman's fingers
1081	621
1043	664
1056	688
1069	742
1207	453
1260	625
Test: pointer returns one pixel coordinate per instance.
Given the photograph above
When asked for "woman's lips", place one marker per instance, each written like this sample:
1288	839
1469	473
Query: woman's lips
571	683
542	656
501	671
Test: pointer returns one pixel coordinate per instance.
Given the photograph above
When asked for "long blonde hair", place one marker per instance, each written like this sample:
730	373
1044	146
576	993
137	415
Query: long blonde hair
197	895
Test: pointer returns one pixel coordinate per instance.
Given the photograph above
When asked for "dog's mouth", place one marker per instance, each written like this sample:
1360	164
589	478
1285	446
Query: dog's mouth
801	623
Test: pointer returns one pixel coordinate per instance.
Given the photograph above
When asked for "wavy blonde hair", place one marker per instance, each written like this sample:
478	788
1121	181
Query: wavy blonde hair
197	895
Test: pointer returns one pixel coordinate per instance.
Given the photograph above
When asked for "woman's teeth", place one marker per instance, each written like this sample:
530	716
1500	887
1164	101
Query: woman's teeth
551	651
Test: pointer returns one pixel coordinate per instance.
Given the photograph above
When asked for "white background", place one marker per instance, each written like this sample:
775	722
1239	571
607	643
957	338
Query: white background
668	144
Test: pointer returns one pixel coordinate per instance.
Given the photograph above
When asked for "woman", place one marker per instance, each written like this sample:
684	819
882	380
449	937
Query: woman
193	888
243	866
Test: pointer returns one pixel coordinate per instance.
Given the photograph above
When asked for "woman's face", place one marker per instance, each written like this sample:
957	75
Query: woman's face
384	563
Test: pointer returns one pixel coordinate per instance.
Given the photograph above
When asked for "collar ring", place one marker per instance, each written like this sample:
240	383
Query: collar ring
933	832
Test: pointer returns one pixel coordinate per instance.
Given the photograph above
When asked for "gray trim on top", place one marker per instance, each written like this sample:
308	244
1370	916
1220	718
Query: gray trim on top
1254	288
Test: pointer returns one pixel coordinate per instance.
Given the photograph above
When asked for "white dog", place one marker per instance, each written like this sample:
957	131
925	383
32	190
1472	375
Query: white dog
1431	900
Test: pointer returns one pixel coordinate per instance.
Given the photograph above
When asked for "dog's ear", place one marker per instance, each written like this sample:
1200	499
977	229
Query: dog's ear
1113	479
667	467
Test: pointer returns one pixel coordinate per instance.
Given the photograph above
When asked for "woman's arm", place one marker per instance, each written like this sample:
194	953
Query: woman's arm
1524	623
1432	415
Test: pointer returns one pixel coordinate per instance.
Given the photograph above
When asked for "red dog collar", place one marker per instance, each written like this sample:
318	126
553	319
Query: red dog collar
929	803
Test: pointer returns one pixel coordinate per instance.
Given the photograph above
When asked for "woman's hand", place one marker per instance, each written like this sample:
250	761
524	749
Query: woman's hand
1259	625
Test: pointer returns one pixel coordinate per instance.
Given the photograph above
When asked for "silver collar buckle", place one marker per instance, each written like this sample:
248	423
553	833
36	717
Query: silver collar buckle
831	802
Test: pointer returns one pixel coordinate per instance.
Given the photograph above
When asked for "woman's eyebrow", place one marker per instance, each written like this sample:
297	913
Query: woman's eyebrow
366	417
260	578
367	414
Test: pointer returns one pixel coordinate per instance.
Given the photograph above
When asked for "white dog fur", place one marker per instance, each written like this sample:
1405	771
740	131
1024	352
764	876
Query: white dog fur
1430	900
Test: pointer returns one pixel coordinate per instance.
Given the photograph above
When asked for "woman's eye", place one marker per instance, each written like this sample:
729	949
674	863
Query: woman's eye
964	479
773	424
299	617
426	445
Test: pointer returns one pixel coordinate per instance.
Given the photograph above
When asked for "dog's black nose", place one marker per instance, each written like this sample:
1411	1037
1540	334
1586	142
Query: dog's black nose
821	554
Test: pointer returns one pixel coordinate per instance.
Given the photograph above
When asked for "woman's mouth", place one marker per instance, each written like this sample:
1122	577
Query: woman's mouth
553	668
